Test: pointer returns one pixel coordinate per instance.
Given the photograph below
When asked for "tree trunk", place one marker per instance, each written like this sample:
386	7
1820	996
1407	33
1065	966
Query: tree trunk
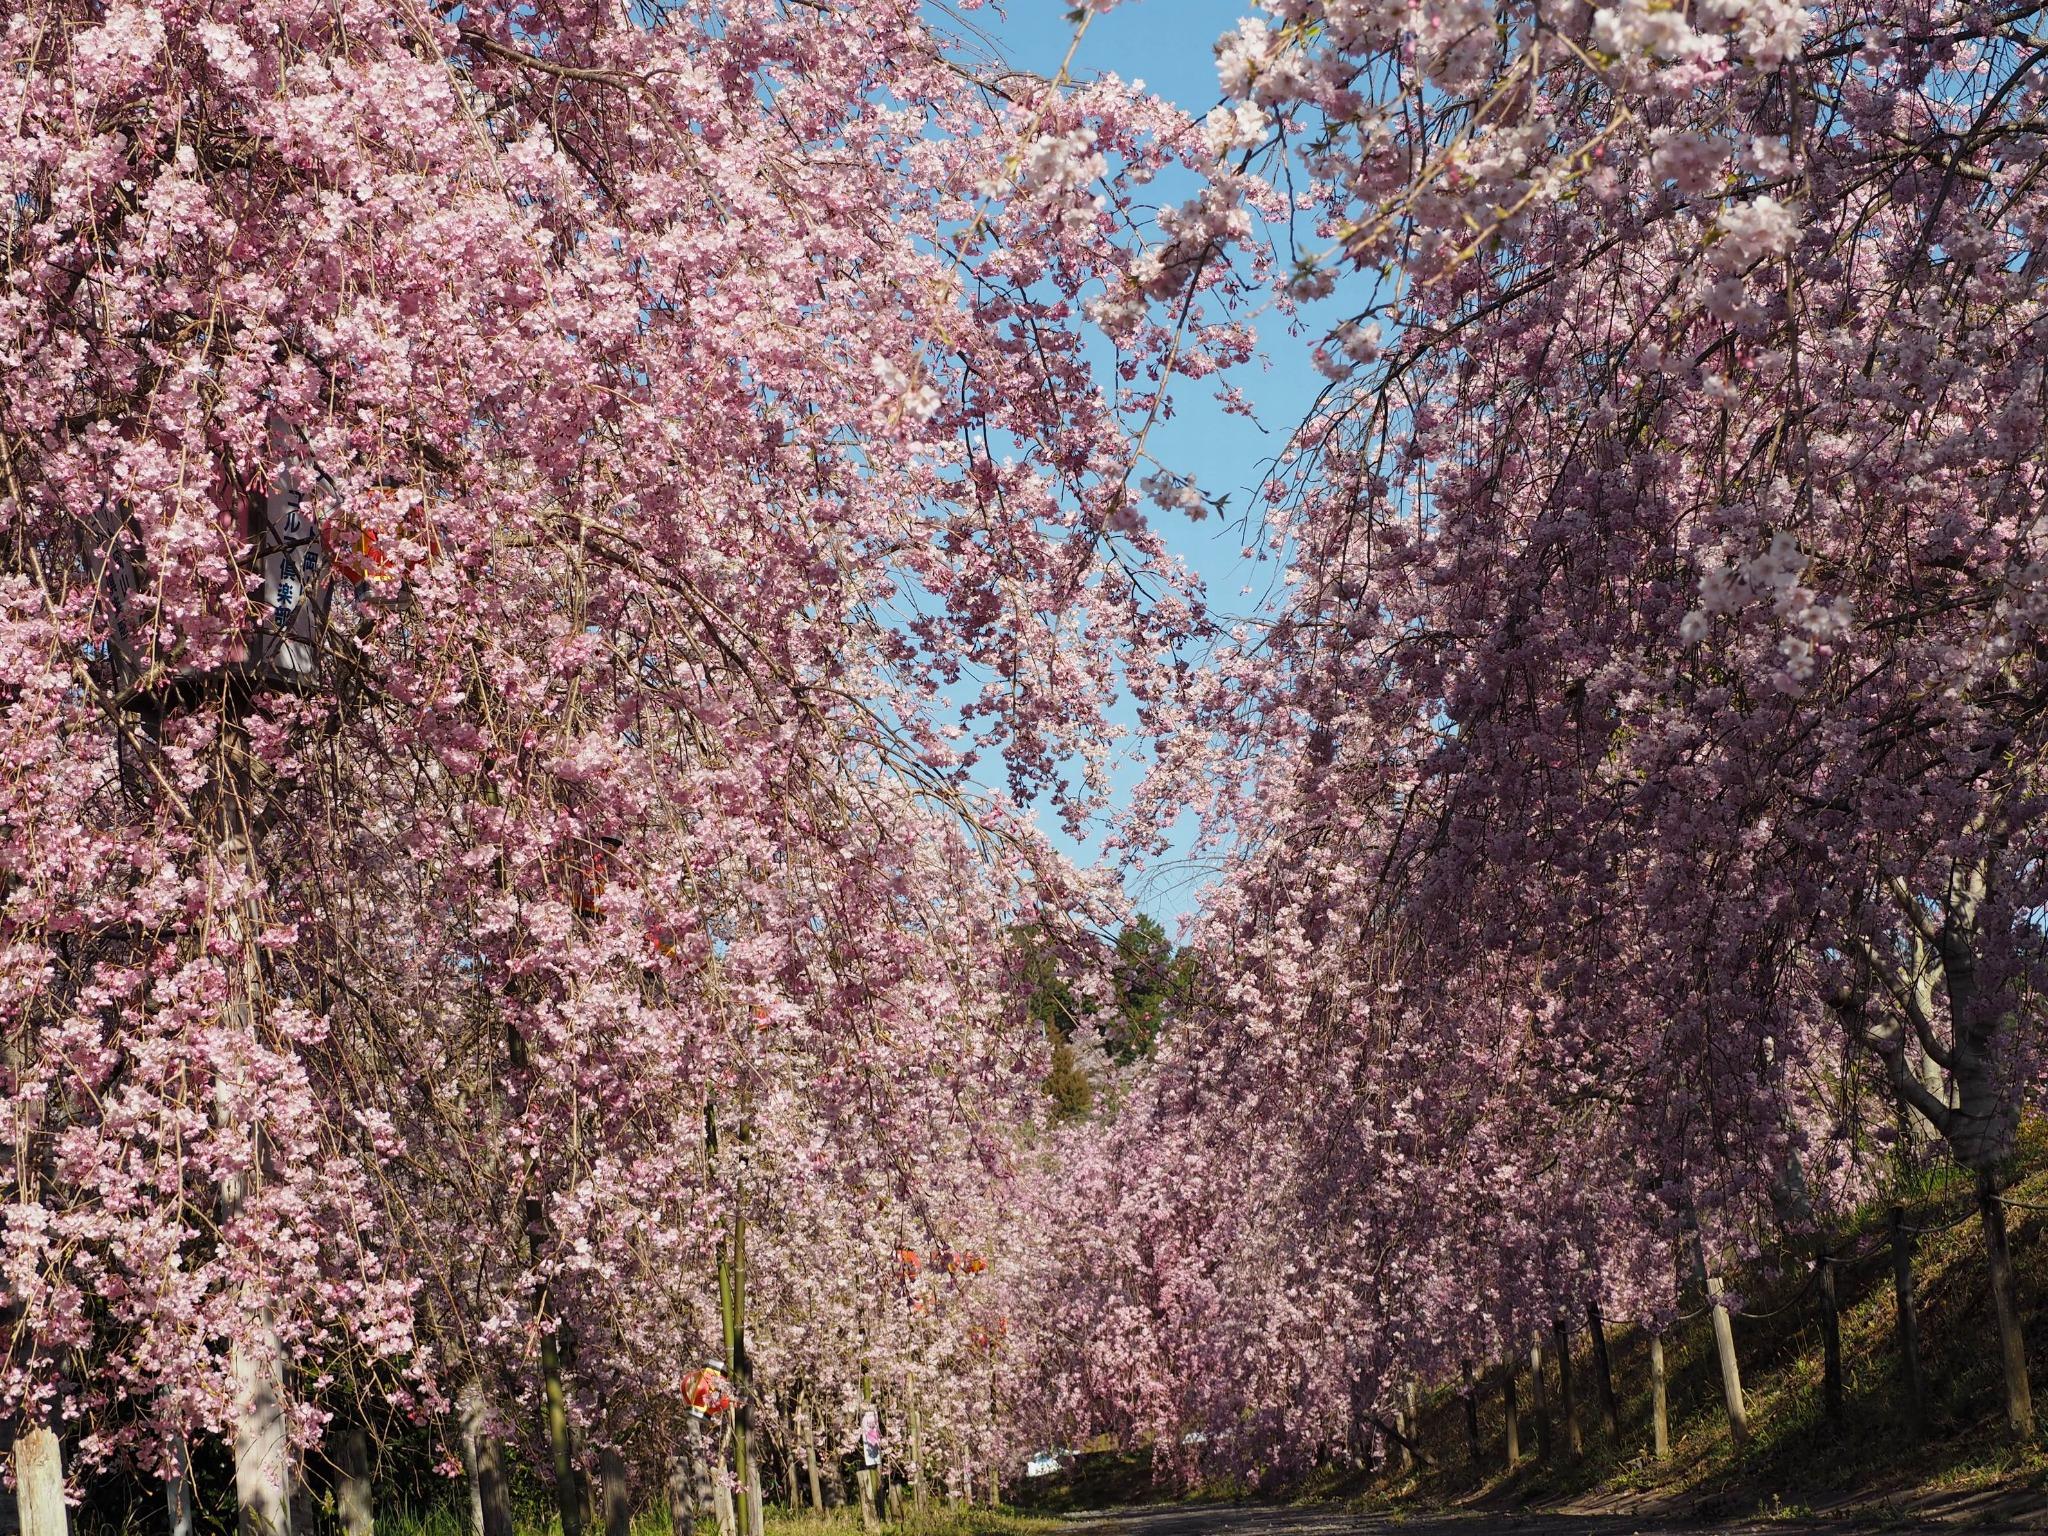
1731	1371
1830	1340
1603	1374
680	1486
490	1501
568	1497
917	1491
39	1481
1539	1395
352	1495
2012	1340
1567	1405
1909	1322
262	1442
178	1512
1513	1412
494	1487
618	1492
1660	1402
810	1431
753	1492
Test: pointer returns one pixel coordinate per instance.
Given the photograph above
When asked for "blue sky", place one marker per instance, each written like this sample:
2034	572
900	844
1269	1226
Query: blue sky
1169	45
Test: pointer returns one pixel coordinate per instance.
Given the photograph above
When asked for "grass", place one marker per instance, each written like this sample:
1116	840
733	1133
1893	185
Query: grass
1797	1462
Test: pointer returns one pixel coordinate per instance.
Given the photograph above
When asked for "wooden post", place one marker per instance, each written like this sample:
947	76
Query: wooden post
1603	1374
1731	1372
39	1481
1471	1413
2012	1339
1909	1321
1567	1407
1830	1339
1660	1404
1404	1421
1513	1413
1539	1395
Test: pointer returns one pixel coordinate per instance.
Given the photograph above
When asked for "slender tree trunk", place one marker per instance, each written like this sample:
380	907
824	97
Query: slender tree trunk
1660	1402
1567	1405
917	1489
494	1489
618	1492
1513	1412
262	1443
1830	1340
1404	1421
1731	1370
1909	1322
810	1432
352	1493
470	1428
178	1513
39	1481
678	1484
2012	1341
568	1496
1603	1373
1539	1394
753	1492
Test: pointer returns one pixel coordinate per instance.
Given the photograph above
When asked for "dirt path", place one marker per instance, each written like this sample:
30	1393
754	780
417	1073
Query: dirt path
1268	1520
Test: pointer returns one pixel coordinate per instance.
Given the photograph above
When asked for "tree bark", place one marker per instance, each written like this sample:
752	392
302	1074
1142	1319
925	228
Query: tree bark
1539	1393
1567	1405
1603	1373
494	1491
568	1497
178	1512
682	1502
1909	1322
262	1443
618	1492
39	1481
352	1491
2012	1340
810	1431
917	1490
1660	1402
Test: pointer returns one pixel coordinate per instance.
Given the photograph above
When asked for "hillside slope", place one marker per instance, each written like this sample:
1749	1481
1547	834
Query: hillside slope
1959	1464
